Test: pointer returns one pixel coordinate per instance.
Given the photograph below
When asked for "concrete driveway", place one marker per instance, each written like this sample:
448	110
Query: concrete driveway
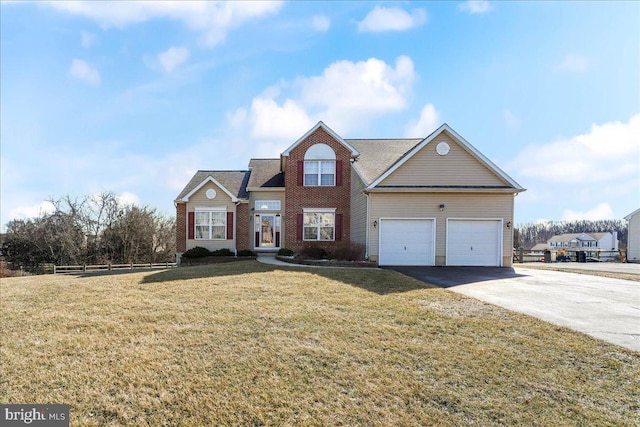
608	309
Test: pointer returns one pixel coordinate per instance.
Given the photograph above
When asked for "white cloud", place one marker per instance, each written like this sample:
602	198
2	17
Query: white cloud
428	122
568	175
512	121
127	198
346	95
87	39
173	57
212	19
601	211
81	70
321	23
272	121
609	152
574	63
31	211
391	19
475	6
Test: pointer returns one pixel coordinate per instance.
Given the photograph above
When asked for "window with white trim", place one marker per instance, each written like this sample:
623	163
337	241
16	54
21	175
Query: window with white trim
211	224
319	225
320	173
267	205
320	166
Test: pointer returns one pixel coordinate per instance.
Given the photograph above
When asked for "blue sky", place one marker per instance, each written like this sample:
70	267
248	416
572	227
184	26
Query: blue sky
135	97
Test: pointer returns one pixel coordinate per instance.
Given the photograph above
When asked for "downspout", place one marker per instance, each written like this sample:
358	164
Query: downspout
366	228
235	229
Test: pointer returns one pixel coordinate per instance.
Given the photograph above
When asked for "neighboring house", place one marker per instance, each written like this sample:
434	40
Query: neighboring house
540	249
633	239
585	241
431	201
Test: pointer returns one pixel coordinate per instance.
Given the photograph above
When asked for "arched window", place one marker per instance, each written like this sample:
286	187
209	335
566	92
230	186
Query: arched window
320	166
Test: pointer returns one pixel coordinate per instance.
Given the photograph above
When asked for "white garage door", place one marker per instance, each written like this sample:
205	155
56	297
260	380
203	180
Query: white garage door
474	242
407	242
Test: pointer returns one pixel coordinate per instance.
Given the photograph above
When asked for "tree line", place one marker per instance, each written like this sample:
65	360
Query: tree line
528	235
96	229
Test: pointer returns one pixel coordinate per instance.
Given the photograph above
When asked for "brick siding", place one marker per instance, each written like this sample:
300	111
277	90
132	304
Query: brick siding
300	197
242	226
181	227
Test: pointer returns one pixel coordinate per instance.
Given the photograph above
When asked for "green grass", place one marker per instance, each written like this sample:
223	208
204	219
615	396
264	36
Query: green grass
251	344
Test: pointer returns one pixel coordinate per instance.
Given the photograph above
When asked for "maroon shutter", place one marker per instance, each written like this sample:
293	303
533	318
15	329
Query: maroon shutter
277	239
338	172
338	227
229	225
191	225
299	227
300	173
257	239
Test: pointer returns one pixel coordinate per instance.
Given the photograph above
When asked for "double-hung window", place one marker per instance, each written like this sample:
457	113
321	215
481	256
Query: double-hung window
320	166
319	225
320	172
211	224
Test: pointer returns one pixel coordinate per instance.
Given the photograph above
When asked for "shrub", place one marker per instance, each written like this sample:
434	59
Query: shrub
285	252
313	252
197	252
246	252
352	252
222	252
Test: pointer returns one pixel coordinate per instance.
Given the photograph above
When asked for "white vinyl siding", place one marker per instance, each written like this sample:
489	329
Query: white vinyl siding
199	202
358	210
458	167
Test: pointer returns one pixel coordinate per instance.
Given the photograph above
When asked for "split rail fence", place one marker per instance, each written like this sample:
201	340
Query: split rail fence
71	269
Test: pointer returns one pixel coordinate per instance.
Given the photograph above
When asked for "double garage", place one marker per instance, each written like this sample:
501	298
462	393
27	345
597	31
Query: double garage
414	242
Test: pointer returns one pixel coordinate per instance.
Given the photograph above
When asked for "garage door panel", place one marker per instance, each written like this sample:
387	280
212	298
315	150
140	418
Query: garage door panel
473	242
406	242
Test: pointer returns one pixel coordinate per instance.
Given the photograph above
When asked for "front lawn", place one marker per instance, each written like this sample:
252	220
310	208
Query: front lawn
251	344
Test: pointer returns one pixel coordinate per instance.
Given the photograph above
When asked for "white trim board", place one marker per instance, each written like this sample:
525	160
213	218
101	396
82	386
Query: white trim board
203	183
320	124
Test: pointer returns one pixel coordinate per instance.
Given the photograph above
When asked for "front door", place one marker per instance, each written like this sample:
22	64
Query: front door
267	231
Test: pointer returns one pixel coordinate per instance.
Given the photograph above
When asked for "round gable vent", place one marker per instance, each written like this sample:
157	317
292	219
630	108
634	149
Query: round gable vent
442	148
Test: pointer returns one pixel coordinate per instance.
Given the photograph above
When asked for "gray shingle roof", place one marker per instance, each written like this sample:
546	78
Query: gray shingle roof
570	236
378	155
265	173
234	181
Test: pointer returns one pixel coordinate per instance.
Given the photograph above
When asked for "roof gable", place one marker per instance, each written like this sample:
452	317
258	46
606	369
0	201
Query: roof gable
232	183
320	124
485	170
632	214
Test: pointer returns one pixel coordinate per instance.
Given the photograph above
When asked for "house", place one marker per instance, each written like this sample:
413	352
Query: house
591	242
633	239
417	201
540	249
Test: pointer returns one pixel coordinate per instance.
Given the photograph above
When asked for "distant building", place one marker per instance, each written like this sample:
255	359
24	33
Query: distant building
540	248
585	241
633	237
